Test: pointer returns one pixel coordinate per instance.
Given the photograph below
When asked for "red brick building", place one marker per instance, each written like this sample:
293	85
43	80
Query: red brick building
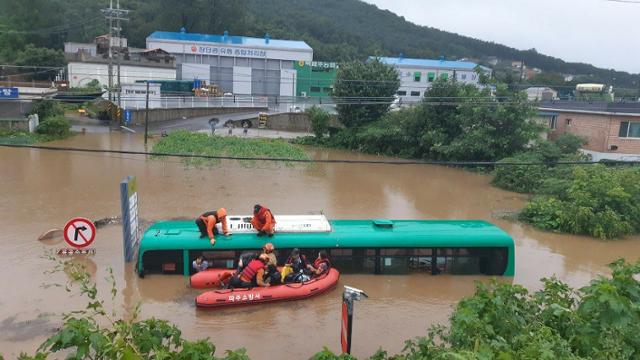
612	130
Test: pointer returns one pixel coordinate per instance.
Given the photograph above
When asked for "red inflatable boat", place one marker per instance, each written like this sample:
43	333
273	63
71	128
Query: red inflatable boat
257	295
210	278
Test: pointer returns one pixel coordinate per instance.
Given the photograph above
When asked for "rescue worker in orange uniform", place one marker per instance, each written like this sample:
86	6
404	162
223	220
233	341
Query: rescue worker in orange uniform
207	224
263	221
252	274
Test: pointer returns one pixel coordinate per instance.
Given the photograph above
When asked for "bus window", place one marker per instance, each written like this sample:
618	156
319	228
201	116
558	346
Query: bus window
420	259
162	261
467	261
494	261
216	259
394	261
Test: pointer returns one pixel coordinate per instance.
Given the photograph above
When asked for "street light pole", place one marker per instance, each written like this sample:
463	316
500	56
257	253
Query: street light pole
146	116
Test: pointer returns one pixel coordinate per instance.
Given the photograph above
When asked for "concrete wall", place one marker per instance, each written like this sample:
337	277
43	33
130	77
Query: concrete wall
601	131
14	124
10	109
295	122
155	115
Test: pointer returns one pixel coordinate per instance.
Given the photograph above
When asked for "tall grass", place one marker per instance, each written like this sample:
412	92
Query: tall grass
184	142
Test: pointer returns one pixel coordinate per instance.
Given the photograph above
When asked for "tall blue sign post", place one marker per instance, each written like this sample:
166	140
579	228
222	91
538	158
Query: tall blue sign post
127	117
130	226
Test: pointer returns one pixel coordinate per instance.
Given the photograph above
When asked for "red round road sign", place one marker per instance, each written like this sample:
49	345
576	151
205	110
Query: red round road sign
79	232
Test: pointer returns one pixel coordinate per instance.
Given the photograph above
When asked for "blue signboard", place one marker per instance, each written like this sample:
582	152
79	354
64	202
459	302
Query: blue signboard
130	228
127	117
8	92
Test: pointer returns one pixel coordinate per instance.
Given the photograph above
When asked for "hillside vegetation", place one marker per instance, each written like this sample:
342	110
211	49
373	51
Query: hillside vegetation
338	30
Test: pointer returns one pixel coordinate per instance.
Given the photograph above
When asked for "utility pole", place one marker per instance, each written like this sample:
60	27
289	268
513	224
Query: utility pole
146	117
115	14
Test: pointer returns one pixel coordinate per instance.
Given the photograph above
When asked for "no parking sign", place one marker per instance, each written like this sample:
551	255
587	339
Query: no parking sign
79	232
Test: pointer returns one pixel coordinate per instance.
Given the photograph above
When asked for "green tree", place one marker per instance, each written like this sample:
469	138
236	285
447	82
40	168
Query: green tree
319	121
455	122
364	91
38	58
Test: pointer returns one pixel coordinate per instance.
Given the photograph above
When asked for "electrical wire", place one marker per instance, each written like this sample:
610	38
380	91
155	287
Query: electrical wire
327	161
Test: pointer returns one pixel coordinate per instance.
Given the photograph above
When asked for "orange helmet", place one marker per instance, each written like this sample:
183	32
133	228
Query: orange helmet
264	258
268	247
222	212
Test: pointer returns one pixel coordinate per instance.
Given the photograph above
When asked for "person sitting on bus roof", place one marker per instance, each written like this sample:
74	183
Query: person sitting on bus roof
199	264
207	224
321	266
272	266
263	220
252	274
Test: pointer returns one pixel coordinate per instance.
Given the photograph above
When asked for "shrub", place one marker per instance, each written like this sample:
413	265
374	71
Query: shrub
46	109
520	178
569	143
596	201
319	121
58	127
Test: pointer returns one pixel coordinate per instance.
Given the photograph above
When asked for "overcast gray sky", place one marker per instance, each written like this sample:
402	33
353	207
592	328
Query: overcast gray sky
600	32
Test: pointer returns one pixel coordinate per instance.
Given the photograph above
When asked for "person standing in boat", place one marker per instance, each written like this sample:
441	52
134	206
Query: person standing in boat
263	220
252	274
321	266
207	224
272	266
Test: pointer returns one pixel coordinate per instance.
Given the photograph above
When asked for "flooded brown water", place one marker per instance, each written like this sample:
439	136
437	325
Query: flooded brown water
40	190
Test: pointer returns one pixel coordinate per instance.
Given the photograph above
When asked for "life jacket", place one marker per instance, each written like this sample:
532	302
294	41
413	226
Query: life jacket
250	271
318	262
262	215
246	258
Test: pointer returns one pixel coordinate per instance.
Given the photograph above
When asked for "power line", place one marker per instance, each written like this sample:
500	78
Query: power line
329	161
625	1
58	28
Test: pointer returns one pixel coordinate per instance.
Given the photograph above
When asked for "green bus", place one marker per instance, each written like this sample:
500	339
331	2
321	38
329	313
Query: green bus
354	246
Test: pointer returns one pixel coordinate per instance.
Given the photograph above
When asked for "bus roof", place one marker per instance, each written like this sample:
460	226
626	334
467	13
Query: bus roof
175	235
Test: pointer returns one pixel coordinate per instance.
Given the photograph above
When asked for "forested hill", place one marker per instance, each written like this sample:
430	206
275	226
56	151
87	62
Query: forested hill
339	29
336	29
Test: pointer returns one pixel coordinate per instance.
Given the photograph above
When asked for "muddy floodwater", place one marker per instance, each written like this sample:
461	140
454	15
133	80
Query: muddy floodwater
40	190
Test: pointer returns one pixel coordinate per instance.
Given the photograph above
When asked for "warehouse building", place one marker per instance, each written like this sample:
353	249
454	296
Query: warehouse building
315	78
236	64
417	75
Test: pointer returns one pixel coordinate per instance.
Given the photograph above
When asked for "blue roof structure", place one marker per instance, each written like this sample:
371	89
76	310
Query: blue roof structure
265	42
427	63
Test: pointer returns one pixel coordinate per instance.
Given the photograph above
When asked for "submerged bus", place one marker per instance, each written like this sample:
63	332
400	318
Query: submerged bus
376	246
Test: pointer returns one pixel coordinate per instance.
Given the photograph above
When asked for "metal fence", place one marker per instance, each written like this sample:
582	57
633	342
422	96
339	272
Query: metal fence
274	103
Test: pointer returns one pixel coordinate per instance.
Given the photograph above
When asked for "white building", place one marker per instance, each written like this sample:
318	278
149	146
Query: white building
417	75
541	93
80	73
237	64
73	47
